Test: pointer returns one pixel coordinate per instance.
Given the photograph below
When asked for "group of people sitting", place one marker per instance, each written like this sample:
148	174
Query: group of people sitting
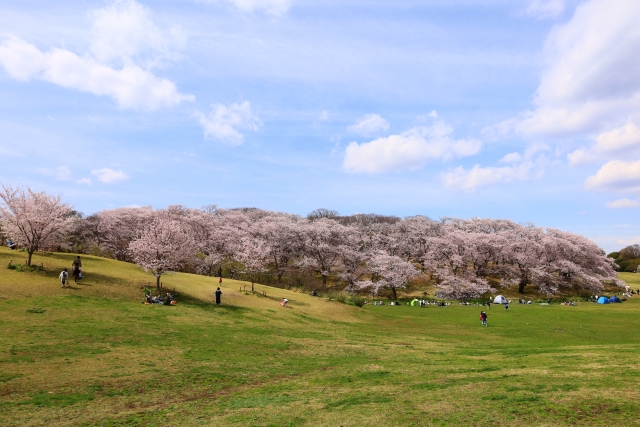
380	302
422	303
11	245
167	299
523	301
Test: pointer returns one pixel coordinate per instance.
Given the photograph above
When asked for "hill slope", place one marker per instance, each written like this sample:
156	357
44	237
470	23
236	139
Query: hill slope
94	355
105	277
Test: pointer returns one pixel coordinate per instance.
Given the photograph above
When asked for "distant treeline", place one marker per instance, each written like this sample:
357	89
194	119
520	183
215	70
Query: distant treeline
360	253
627	259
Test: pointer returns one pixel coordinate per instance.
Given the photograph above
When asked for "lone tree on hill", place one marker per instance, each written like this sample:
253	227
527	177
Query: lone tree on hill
34	220
163	245
254	256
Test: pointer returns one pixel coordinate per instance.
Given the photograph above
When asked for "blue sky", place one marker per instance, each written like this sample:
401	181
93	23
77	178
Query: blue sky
527	110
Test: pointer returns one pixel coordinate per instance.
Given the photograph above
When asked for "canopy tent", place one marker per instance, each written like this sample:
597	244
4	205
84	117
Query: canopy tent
615	299
603	300
500	300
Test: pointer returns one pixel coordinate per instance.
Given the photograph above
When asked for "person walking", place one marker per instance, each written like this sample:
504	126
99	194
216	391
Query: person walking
483	318
489	304
64	276
76	269
220	281
506	307
218	293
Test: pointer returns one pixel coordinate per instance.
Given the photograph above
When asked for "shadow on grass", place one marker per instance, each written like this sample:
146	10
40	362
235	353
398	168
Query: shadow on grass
192	301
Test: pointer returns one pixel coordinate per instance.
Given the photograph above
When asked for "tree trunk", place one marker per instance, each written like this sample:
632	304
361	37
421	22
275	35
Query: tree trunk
252	286
393	291
521	286
324	280
158	282
30	253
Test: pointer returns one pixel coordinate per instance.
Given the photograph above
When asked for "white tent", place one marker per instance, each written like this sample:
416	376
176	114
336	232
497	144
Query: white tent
500	300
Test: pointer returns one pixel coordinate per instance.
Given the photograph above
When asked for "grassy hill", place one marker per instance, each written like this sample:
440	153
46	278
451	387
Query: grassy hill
94	355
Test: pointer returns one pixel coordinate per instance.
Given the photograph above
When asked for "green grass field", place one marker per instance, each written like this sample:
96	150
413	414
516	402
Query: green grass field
93	355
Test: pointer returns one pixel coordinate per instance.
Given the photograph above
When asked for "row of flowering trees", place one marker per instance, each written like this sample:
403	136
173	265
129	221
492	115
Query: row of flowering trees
464	258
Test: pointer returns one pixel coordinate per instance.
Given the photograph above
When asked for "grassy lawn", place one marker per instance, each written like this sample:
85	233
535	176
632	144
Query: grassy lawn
94	355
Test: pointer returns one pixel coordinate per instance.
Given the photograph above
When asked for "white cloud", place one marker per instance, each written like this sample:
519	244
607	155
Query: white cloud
616	175
511	158
623	203
126	43
469	180
545	9
369	124
623	141
223	122
109	176
409	150
630	241
84	181
124	33
61	173
271	7
593	77
324	115
21	60
522	167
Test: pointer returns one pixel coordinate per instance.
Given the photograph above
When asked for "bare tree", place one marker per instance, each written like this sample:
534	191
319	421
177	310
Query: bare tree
630	252
322	213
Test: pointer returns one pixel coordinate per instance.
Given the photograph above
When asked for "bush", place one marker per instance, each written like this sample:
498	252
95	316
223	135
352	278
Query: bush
356	300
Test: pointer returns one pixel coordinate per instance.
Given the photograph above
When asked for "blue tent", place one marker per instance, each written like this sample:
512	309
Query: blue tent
603	300
615	299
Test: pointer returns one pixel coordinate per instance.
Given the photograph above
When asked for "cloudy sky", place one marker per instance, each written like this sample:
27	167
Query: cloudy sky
520	109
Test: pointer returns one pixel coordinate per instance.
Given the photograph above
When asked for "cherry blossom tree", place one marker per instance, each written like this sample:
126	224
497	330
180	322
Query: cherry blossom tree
34	220
208	265
163	245
254	256
279	233
320	239
390	272
464	256
115	229
553	261
462	288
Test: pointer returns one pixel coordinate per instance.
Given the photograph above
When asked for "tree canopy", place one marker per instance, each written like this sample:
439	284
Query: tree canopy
465	258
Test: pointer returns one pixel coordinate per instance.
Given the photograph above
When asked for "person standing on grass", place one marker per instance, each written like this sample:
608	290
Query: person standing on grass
506	307
64	276
220	281
218	293
483	318
76	268
489	304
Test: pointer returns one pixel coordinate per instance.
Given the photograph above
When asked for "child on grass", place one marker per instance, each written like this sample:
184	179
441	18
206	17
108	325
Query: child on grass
64	275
